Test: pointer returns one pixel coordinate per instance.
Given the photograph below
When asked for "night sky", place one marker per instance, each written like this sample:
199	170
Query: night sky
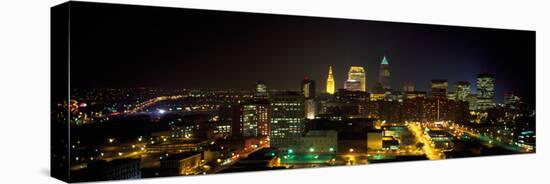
137	46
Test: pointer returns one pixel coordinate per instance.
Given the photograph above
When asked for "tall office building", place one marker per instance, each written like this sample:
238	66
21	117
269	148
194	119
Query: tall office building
308	88
255	119
485	91
462	90
286	118
511	100
472	102
330	81
439	88
310	108
384	74
261	90
308	92
357	73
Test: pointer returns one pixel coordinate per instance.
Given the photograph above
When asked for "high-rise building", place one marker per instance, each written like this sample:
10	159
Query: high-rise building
352	85
308	88
472	102
451	95
310	108
510	98
384	74
261	90
255	119
357	73
308	92
439	88
485	91
462	90
330	81
408	86
286	118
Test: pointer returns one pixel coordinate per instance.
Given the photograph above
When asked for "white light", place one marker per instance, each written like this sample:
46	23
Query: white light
161	111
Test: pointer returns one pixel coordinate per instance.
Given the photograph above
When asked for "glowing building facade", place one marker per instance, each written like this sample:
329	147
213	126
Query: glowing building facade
462	90
308	92
261	90
357	73
287	119
511	100
485	91
255	119
353	85
330	81
439	88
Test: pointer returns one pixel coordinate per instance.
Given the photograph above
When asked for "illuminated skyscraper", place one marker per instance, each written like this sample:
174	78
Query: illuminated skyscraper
472	102
511	100
485	91
308	91
287	118
462	90
310	108
308	88
255	119
384	74
439	88
330	81
357	73
261	90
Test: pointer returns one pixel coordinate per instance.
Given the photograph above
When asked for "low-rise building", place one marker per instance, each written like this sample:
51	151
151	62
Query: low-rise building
185	163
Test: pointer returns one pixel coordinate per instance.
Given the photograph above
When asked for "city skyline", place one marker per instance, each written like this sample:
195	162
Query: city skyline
286	49
144	92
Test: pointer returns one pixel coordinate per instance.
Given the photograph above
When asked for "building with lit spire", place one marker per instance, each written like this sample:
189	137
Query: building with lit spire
384	74
330	81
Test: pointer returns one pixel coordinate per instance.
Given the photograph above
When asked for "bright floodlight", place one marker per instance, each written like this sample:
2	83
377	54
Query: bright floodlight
161	111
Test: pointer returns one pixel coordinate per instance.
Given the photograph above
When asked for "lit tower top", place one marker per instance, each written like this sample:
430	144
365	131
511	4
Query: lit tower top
384	74
384	61
330	81
357	73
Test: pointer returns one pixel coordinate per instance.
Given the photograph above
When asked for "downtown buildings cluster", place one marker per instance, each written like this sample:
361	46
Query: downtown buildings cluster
198	131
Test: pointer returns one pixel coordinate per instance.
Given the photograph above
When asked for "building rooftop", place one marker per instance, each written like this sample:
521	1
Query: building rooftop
384	61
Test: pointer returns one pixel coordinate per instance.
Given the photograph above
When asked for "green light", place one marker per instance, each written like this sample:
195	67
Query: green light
290	151
311	149
331	149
